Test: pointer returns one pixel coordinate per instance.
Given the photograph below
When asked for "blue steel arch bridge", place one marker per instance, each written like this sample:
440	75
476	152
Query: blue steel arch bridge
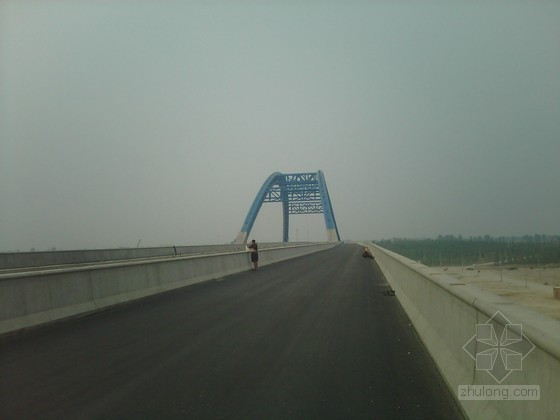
299	193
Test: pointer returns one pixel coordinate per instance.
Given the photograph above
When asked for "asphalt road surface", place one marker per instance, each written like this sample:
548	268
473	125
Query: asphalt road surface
309	338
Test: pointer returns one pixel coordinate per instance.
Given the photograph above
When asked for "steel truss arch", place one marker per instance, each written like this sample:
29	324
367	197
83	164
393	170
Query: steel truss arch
299	193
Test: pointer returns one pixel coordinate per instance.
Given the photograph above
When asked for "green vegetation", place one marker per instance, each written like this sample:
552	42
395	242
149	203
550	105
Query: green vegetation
451	250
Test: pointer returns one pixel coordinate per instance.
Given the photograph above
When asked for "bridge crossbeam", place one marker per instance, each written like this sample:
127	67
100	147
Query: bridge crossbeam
275	195
306	208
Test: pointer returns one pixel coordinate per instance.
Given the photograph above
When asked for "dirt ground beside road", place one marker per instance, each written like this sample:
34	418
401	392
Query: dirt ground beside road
526	285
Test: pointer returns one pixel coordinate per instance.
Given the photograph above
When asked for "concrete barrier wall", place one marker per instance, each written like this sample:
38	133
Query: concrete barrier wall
45	258
33	298
445	313
10	260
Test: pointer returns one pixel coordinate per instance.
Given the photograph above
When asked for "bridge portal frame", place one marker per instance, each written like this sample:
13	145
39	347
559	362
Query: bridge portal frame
299	193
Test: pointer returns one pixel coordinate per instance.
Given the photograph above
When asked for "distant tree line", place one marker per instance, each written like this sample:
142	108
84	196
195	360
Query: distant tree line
455	250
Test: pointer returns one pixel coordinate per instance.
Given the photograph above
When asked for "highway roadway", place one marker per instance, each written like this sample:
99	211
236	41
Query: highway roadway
309	338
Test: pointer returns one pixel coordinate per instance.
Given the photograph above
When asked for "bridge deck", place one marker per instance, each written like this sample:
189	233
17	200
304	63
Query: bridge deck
312	337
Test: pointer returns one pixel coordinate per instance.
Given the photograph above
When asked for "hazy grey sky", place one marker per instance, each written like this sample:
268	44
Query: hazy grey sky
159	121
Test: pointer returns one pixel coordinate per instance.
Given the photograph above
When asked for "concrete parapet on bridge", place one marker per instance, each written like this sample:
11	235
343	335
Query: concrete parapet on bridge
37	297
17	260
447	314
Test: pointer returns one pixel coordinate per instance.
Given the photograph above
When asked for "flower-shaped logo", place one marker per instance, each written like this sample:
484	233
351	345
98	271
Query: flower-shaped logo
499	356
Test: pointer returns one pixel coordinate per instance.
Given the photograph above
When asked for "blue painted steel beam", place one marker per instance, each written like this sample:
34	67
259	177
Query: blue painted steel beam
330	222
255	207
299	193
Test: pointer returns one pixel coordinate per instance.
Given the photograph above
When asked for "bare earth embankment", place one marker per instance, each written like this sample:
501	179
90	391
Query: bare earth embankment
528	286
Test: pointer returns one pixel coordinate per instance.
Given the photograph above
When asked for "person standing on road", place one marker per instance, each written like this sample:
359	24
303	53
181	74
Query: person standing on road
254	248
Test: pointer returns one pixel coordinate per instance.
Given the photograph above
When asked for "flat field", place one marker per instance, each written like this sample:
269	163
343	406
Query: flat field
527	285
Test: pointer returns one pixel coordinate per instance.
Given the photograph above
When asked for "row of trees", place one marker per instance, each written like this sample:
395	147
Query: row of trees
456	250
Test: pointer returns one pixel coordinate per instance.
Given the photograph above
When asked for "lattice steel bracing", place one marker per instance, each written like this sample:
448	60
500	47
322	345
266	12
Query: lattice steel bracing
300	193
